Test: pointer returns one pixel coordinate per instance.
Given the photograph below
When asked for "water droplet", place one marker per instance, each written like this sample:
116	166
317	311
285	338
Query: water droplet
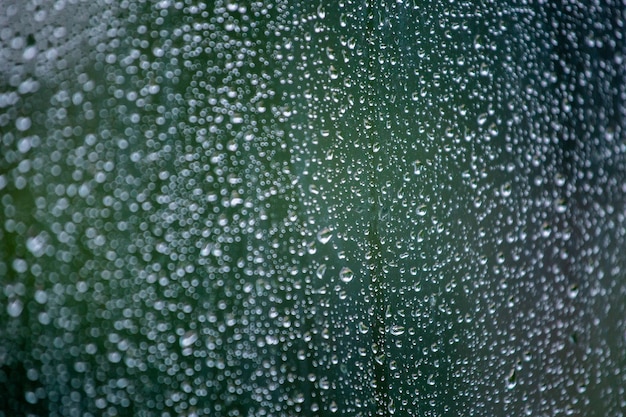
506	190
324	235
20	265
478	42
511	380
333	407
15	307
333	73
572	291
41	296
397	330
114	356
30	53
36	245
23	123
346	274
206	250
188	339
321	12
321	270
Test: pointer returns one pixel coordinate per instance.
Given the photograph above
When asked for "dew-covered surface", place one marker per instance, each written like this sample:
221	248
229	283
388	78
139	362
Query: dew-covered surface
303	208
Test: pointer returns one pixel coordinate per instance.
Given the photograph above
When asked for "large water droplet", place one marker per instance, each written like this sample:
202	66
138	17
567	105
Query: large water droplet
188	339
41	296
36	245
324	235
346	274
15	307
397	330
321	270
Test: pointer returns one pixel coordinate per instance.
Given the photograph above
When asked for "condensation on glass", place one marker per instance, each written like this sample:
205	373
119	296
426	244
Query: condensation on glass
312	208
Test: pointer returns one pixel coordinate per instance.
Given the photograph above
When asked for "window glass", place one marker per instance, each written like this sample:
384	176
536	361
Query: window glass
312	208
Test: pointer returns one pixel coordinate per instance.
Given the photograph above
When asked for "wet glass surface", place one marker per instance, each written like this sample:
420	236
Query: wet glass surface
293	208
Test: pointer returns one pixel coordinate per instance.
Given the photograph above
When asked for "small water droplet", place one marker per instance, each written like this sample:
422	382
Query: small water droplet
506	190
363	329
23	123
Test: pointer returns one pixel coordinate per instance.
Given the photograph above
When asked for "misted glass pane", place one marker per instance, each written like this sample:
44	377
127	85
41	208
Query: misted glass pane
287	208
